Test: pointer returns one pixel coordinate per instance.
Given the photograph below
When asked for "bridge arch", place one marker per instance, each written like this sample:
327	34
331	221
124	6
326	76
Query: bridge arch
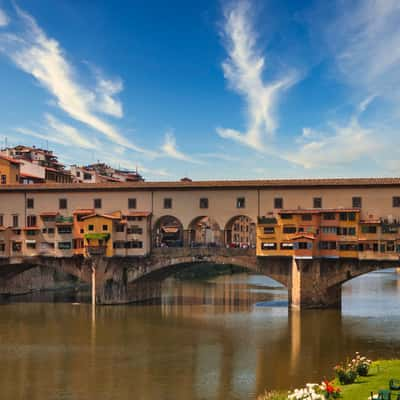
205	231
240	231
168	232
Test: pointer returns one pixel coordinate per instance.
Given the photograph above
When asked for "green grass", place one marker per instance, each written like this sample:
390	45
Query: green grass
380	374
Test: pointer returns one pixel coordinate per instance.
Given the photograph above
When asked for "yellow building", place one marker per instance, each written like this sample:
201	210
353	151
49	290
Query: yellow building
9	171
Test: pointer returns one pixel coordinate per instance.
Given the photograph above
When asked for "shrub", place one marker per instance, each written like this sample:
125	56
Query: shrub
272	395
346	373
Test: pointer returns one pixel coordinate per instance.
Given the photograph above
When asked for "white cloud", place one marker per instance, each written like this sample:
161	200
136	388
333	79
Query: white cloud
171	150
4	20
58	132
342	145
244	69
70	135
42	57
365	40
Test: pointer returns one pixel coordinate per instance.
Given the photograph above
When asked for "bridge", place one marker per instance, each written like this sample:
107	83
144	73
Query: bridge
311	283
309	235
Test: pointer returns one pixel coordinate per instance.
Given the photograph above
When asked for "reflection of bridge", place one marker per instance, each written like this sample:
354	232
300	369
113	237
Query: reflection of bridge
311	283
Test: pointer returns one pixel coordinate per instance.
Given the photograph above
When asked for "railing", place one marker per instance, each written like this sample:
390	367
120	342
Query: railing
60	219
202	251
96	250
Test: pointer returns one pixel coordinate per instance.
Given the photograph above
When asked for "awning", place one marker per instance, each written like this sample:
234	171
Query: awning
170	229
49	214
84	211
30	228
138	214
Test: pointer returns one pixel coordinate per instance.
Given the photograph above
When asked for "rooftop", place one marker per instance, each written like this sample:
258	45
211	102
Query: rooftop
221	184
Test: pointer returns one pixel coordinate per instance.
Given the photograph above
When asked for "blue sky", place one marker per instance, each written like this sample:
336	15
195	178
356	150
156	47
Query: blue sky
210	89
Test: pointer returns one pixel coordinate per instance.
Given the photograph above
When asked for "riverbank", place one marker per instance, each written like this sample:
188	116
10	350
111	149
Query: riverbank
378	378
381	372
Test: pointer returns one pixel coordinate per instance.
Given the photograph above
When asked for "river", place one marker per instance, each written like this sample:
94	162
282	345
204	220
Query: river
226	338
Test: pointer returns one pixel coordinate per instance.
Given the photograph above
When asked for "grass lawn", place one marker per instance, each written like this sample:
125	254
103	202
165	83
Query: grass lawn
380	374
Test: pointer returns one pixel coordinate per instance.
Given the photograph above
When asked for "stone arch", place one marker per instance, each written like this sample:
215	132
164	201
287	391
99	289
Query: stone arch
240	231
204	231
168	232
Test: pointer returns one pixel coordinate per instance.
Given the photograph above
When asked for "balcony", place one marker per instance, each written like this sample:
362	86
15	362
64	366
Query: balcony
60	219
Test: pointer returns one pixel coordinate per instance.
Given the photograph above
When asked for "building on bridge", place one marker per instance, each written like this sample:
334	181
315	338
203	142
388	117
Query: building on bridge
331	218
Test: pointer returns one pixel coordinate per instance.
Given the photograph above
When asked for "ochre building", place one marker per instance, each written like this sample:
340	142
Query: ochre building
316	218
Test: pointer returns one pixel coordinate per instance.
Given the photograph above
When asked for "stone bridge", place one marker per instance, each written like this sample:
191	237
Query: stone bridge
311	283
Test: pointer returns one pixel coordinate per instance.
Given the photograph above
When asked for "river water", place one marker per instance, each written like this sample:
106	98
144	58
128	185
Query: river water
227	338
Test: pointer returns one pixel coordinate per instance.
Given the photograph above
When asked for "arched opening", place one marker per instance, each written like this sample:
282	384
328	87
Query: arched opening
205	231
168	232
240	231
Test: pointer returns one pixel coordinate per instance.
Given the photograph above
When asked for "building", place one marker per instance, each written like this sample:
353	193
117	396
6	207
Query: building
38	165
321	218
9	170
103	173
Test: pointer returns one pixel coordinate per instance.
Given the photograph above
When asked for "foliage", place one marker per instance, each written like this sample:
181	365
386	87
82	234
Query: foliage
361	364
97	236
313	391
272	395
379	376
346	373
329	391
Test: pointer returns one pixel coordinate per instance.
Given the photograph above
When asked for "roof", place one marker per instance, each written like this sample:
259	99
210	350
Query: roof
318	210
83	211
10	159
222	184
108	216
49	214
302	236
138	214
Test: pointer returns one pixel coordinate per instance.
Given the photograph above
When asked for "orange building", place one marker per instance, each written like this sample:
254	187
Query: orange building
9	170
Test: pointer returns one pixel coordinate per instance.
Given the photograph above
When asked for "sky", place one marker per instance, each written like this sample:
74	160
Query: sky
241	89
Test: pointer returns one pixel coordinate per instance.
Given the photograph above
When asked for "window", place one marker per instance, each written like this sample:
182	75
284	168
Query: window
329	230
31	220
327	245
306	217
30	203
78	174
62	204
64	230
119	244
30	232
97	203
2	247
87	176
289	229
240	202
120	228
348	247
317	202
268	246
3	179
203	202
105	227
50	231
16	246
303	245
31	244
133	218
396	201
132	203
269	230
352	216
328	216
1	220
286	246
134	244
278	202
356	202
343	216
286	216
64	245
91	227
390	246
368	229
137	230
167	203
351	231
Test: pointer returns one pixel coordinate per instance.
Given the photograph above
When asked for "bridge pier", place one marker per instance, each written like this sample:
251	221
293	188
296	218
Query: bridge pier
308	287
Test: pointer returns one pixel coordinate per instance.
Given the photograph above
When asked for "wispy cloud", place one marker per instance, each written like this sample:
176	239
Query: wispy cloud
4	20
58	132
42	57
341	144
243	69
365	41
170	149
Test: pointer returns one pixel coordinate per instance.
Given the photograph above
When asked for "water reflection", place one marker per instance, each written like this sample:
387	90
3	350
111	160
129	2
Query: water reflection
221	339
